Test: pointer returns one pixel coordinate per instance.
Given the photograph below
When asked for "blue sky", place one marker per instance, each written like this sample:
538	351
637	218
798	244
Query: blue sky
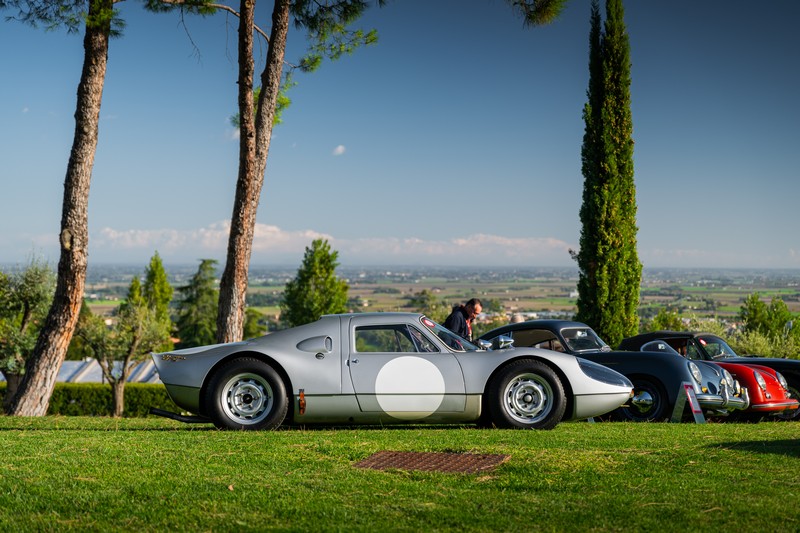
453	141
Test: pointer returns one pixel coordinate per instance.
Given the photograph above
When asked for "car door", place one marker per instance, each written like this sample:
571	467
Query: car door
398	369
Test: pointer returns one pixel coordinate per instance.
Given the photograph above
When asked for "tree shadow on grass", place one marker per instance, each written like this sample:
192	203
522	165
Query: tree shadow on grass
787	447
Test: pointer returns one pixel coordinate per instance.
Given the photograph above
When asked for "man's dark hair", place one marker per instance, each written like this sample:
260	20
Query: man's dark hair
473	302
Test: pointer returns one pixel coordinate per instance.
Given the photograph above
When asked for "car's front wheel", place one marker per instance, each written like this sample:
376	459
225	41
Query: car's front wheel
526	394
649	403
794	392
248	394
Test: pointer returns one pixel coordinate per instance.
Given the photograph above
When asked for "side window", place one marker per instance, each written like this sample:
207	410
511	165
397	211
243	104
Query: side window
692	352
422	343
392	338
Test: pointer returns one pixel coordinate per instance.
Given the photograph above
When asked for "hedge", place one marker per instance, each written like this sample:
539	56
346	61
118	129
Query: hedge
94	399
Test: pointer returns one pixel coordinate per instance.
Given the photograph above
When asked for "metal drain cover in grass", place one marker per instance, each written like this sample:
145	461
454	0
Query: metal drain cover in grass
432	462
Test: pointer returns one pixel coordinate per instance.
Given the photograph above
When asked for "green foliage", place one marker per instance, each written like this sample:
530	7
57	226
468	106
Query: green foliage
538	12
282	103
482	326
135	332
610	271
197	307
427	303
316	290
25	298
253	324
71	15
665	320
752	343
774	319
95	399
156	290
327	27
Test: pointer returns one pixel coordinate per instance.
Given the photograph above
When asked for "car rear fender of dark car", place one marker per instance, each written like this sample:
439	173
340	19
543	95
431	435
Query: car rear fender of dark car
669	370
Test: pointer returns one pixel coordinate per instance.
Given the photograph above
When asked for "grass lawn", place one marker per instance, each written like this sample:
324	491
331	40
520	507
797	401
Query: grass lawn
100	474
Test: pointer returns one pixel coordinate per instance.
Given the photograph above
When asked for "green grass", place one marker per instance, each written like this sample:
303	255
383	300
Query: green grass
101	474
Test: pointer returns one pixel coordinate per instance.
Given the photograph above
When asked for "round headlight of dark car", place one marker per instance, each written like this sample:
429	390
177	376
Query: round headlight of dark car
696	374
601	373
782	381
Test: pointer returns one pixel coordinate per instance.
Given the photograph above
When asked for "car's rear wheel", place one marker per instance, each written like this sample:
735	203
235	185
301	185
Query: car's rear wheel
526	394
246	394
648	404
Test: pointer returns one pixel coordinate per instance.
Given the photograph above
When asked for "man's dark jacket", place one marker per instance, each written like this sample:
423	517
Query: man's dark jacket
457	322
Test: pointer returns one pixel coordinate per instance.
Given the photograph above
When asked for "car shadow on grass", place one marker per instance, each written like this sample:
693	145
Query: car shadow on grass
787	447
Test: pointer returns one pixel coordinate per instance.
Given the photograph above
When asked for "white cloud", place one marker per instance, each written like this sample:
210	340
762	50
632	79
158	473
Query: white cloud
339	150
275	245
272	244
25	109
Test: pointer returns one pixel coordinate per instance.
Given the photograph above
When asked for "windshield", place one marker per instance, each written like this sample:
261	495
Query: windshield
584	340
452	340
716	347
659	346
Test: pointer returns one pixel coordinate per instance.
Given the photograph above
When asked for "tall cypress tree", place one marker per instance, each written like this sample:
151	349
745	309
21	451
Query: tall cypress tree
610	271
156	289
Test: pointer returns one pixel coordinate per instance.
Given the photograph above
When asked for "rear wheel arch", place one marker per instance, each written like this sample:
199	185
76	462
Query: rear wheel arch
287	383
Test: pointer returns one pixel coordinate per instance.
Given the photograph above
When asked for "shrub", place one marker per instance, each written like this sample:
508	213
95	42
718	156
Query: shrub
94	399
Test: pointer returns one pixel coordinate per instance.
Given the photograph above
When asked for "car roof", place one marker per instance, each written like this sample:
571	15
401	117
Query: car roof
644	338
542	323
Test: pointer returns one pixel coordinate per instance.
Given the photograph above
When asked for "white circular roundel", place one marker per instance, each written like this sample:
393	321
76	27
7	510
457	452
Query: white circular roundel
409	388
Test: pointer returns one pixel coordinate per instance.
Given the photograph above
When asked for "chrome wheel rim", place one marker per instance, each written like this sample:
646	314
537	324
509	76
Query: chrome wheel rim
528	398
646	402
247	398
643	402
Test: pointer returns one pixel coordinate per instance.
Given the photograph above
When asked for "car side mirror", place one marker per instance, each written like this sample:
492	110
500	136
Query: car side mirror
484	344
503	341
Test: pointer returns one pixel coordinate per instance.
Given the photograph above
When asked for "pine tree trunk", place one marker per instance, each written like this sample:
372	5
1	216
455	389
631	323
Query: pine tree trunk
255	139
12	384
41	370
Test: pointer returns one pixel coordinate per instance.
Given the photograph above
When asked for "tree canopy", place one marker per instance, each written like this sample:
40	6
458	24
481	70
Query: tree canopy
197	307
316	290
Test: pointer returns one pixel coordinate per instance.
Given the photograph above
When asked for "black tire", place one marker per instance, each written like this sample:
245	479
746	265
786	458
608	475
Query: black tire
246	394
650	402
526	394
794	392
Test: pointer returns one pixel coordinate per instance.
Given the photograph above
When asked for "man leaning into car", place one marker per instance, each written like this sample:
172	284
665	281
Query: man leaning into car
460	320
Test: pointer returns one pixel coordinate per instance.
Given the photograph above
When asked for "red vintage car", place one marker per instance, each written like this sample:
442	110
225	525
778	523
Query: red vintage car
770	394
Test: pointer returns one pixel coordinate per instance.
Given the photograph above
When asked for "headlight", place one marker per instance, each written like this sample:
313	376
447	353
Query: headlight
601	373
696	374
728	378
760	380
782	381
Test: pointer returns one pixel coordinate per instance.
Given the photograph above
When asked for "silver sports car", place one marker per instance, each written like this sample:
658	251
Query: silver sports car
383	368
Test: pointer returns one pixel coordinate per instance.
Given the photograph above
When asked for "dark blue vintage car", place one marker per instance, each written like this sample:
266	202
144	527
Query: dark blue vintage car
657	377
